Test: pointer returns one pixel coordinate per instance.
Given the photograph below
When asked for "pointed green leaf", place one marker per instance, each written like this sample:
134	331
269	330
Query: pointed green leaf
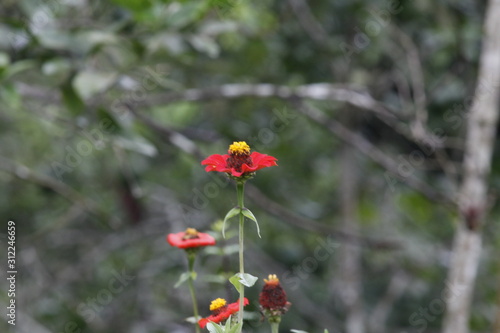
250	215
247	280
183	278
235	281
236	328
233	212
214	328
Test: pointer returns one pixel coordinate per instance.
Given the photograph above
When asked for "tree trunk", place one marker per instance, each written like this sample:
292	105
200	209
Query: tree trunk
473	195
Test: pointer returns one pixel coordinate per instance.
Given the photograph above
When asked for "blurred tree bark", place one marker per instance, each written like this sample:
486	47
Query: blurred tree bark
473	195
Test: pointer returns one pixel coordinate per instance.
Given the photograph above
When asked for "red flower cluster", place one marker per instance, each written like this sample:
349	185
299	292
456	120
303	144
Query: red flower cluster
190	238
221	311
238	161
273	300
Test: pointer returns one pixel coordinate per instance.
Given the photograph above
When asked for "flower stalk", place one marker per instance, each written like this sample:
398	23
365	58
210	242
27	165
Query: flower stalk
191	259
240	190
275	327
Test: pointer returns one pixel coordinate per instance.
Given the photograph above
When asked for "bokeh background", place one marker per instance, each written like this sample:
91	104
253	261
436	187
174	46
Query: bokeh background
108	107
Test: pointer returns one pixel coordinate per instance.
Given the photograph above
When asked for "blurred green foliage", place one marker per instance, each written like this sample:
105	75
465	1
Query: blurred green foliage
71	72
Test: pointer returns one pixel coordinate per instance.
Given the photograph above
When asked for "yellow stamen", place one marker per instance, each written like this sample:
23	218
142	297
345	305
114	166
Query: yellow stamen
272	279
217	304
190	233
239	148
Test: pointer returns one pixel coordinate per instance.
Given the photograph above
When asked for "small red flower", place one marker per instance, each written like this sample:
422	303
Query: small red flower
190	238
238	161
221	311
273	300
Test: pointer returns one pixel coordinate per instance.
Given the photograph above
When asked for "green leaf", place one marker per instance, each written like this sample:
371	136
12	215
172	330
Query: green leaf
89	83
4	60
233	212
137	144
71	99
250	215
235	281
326	331
236	328
245	279
248	280
183	278
214	328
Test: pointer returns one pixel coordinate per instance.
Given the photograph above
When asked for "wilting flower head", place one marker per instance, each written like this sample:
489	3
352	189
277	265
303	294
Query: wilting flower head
221	311
272	299
190	238
238	162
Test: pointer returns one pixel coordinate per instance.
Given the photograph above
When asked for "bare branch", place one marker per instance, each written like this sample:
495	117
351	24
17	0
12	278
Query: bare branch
416	77
367	148
381	311
308	22
316	91
24	173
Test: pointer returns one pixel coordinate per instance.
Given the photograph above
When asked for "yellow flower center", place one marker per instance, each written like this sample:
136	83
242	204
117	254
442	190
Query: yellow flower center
272	279
190	233
217	304
239	148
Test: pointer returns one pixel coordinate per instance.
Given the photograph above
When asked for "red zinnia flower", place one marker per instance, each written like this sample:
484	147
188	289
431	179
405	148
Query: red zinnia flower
190	238
221	311
238	161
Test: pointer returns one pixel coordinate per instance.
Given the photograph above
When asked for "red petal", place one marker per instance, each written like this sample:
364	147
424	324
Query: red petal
216	162
203	322
202	240
263	160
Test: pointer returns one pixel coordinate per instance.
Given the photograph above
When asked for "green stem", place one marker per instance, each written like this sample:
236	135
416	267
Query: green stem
240	188
275	327
191	258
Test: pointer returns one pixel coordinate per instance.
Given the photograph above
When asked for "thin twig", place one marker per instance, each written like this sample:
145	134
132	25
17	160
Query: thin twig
22	172
308	22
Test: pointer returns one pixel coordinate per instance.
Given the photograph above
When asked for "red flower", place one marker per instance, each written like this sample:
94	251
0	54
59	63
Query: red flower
273	300
190	238
221	311
238	161
273	296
